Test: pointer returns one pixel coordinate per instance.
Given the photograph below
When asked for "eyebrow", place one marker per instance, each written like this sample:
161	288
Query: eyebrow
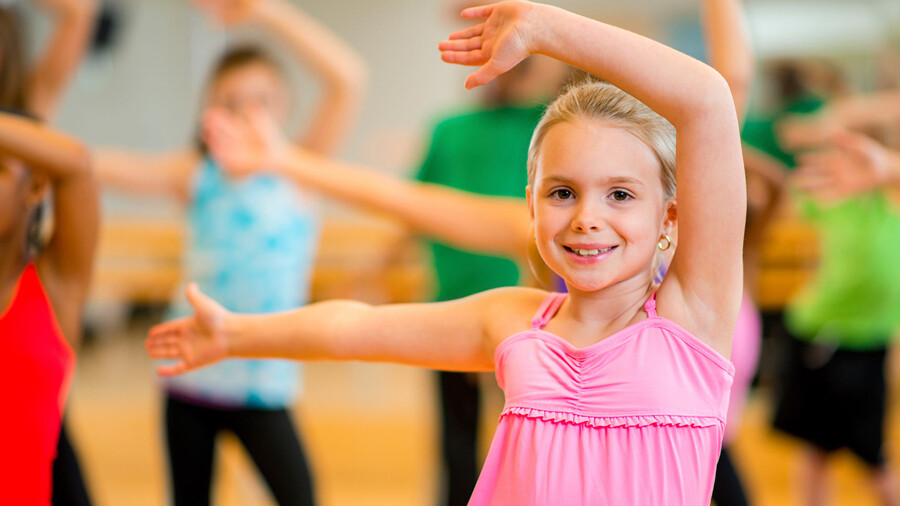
611	180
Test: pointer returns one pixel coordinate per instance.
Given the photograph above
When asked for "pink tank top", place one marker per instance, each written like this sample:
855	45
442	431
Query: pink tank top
36	363
635	419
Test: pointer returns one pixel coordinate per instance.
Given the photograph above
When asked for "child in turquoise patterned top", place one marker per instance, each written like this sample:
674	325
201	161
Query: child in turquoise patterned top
252	242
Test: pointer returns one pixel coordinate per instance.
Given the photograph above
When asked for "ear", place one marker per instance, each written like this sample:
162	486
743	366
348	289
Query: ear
529	201
38	186
670	221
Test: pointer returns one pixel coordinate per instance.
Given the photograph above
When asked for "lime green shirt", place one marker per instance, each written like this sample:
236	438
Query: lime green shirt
483	152
854	300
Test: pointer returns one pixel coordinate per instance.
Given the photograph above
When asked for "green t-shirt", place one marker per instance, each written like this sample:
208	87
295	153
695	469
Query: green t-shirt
854	300
483	152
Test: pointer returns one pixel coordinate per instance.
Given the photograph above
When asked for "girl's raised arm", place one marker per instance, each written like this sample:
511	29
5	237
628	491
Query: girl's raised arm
455	335
341	70
493	225
73	21
689	94
66	164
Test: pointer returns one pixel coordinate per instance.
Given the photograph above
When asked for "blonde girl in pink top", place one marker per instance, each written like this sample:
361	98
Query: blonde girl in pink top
617	392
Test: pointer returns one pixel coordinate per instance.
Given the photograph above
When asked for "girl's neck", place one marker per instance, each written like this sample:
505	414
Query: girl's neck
613	306
13	258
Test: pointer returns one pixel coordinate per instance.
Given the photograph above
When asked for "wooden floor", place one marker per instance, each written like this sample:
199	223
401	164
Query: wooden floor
370	432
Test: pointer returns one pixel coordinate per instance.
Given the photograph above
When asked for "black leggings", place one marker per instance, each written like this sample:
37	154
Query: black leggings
460	398
268	436
68	484
728	490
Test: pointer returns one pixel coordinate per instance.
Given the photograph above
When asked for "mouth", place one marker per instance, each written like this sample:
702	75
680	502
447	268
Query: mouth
589	252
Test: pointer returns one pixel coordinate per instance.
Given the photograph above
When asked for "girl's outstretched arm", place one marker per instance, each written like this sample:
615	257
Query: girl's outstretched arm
455	335
73	21
164	174
494	225
66	261
692	96
729	48
341	70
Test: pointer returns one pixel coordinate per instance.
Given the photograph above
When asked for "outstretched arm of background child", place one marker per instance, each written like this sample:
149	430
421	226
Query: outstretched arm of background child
729	48
447	335
66	164
73	21
164	174
341	71
496	225
706	267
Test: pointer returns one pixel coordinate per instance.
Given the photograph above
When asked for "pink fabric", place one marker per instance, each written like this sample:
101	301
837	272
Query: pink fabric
635	419
745	356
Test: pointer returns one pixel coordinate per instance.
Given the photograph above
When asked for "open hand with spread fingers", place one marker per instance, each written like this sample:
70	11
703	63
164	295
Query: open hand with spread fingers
243	144
192	341
497	44
850	164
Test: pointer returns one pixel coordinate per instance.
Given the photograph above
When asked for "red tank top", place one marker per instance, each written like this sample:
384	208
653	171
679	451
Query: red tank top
35	368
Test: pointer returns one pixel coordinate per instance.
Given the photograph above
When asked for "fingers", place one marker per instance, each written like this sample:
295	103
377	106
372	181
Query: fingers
470	58
467	44
468	33
482	11
175	369
484	75
196	298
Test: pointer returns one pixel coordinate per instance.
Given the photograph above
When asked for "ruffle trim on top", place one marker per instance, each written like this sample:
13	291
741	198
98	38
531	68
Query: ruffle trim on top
614	421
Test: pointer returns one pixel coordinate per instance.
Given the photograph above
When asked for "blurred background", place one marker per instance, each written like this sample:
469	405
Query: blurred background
371	430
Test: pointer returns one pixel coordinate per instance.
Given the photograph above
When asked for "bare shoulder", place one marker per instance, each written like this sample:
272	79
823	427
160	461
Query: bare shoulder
712	320
509	310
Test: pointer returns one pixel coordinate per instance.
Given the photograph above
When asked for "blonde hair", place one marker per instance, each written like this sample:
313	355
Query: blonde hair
597	100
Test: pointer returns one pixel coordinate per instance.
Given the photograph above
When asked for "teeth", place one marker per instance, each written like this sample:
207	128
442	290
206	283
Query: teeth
590	252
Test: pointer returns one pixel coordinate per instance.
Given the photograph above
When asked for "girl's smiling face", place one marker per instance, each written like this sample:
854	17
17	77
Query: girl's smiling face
598	205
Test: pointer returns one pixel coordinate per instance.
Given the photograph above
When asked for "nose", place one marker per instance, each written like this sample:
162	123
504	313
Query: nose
588	217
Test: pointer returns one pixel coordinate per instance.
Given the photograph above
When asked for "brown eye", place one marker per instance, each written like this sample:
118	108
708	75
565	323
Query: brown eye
562	194
620	196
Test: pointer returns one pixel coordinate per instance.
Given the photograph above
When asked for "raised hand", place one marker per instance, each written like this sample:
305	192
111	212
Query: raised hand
193	341
245	144
229	12
497	44
851	164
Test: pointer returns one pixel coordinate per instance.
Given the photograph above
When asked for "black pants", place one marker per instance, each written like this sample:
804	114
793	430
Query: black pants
68	483
728	490
268	436
460	406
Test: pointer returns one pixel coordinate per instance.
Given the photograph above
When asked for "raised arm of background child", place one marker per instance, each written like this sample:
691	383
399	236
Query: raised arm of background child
69	253
73	22
494	225
703	285
341	70
454	335
729	48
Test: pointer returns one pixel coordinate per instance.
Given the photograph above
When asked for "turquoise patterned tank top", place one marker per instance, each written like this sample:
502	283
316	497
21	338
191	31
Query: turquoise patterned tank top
251	247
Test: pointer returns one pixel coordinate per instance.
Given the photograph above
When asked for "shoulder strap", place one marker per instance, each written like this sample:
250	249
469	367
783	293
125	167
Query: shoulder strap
650	305
548	309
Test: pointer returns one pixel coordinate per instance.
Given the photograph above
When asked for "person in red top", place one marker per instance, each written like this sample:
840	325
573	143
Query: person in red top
42	292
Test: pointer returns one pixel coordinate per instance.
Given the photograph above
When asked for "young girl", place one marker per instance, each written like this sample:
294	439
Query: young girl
617	393
42	293
252	244
35	88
